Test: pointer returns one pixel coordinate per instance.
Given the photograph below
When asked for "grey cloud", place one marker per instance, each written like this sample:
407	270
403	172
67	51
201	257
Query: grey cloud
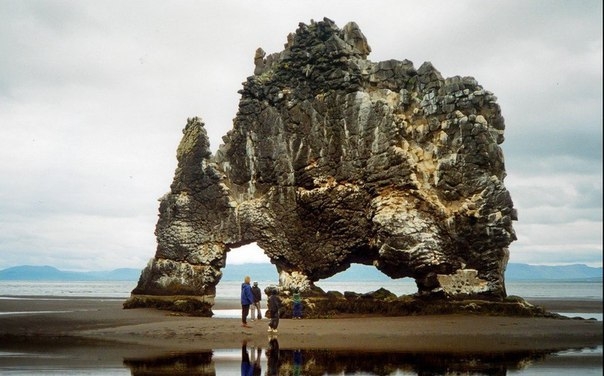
581	148
94	95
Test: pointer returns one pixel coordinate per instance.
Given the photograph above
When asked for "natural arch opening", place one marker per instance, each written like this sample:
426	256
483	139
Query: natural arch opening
247	259
360	278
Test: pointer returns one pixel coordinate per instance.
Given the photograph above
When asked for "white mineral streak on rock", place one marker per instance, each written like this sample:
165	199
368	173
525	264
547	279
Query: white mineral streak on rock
294	280
481	120
183	231
363	103
206	254
183	199
251	155
179	272
464	281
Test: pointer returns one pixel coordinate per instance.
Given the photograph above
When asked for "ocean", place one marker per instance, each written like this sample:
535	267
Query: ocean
230	290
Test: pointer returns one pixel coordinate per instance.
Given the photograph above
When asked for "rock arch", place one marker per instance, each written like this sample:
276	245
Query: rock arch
332	160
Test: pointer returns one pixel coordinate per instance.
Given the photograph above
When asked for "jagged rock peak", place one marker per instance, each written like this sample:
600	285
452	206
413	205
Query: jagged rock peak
316	41
316	58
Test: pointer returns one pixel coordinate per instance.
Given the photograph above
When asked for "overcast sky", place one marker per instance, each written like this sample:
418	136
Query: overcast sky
94	96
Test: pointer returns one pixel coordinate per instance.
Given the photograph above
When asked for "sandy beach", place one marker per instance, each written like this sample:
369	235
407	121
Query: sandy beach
64	322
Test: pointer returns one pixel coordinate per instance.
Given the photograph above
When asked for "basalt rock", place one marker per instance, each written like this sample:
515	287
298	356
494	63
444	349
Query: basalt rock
334	159
384	303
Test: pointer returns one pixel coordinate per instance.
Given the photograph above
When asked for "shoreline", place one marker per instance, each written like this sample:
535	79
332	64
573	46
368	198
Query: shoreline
550	304
568	305
104	320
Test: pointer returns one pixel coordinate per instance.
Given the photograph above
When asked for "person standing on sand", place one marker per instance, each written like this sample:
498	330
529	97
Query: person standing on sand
247	299
257	298
274	304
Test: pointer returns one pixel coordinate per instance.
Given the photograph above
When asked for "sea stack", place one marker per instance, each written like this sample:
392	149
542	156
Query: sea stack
333	159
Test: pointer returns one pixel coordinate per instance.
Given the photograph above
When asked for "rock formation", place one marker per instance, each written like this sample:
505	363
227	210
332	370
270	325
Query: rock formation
334	159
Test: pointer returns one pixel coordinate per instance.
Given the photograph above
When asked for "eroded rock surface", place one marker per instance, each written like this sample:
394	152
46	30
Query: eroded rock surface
334	159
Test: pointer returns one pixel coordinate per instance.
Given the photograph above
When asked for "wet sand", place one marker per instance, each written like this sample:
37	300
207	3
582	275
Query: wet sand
74	325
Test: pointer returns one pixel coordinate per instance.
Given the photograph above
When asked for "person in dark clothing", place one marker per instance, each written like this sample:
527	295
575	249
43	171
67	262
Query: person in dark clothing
247	299
257	298
246	366
274	304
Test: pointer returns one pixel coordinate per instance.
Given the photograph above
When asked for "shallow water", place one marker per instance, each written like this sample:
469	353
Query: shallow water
236	313
271	360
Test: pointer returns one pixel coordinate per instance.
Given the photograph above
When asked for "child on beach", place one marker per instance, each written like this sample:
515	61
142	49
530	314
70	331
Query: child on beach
274	304
297	305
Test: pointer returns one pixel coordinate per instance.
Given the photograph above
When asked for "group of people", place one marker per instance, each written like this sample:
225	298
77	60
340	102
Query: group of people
251	296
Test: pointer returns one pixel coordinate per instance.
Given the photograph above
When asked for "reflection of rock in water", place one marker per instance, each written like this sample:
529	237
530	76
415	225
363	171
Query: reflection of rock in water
198	363
320	362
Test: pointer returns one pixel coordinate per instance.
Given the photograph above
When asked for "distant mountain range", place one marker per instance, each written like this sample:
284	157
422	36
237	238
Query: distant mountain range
546	272
267	272
49	273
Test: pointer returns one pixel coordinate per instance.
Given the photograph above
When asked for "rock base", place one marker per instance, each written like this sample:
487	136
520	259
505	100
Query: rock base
189	305
337	304
378	303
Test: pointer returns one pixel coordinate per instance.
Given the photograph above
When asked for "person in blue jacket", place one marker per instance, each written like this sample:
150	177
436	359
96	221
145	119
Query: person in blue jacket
247	299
